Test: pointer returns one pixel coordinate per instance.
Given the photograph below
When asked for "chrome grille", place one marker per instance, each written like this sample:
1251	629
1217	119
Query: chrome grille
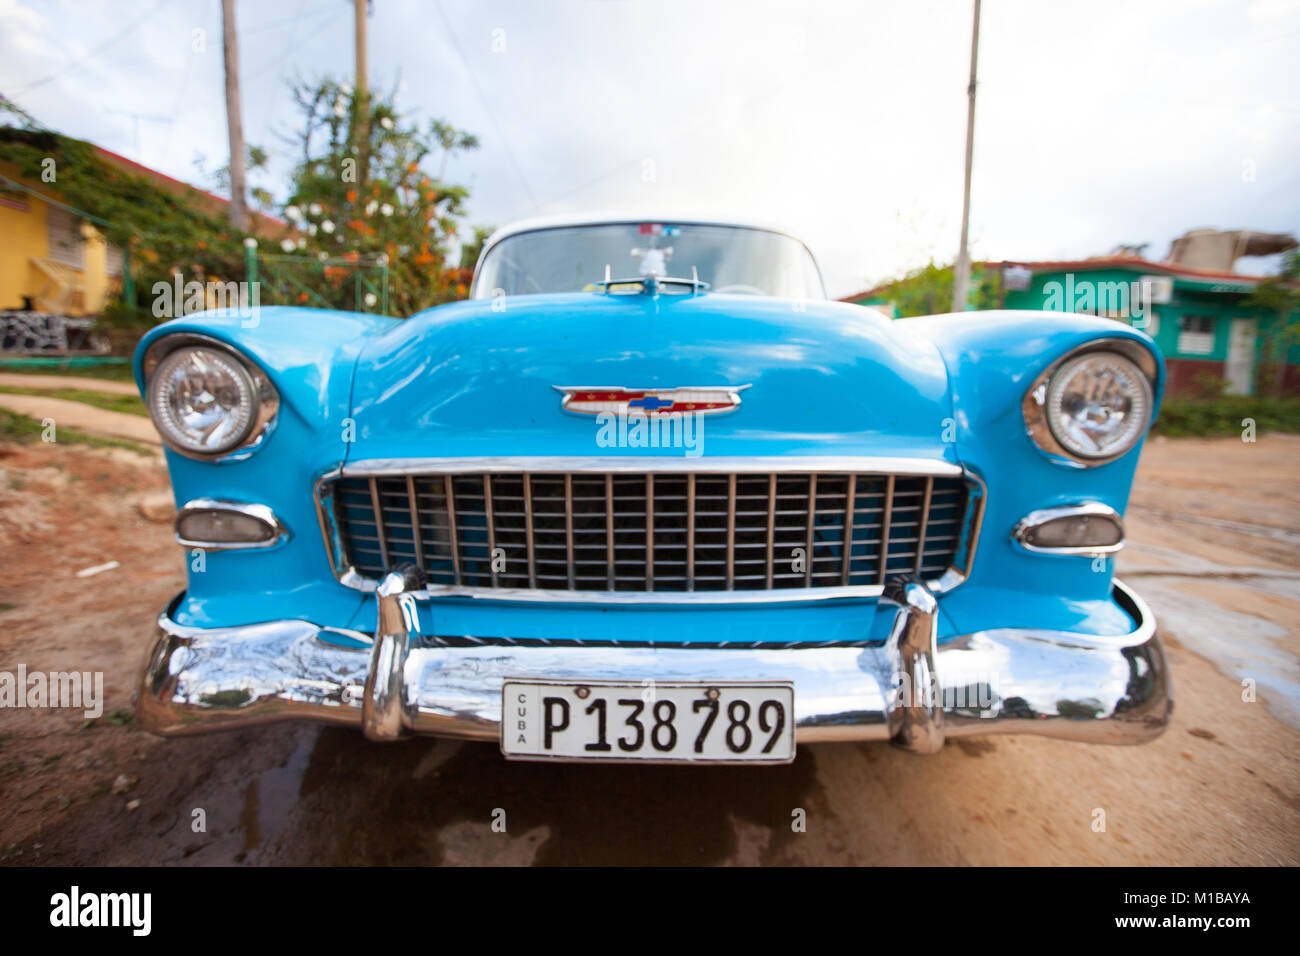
647	532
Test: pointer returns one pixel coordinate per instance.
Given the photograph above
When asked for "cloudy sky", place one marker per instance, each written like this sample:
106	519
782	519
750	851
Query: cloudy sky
1098	122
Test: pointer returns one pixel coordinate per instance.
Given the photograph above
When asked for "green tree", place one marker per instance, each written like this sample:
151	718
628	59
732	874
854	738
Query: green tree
377	201
927	290
256	162
472	248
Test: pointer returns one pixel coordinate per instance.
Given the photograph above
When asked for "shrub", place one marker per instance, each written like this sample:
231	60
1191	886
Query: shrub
1187	417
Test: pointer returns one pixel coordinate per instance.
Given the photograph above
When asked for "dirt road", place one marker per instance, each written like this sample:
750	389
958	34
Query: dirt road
88	418
1222	786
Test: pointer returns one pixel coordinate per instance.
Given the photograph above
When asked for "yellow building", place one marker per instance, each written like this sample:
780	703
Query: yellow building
51	259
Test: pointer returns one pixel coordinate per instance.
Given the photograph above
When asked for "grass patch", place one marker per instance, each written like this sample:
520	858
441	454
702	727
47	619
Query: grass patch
111	373
130	404
21	430
1204	418
118	718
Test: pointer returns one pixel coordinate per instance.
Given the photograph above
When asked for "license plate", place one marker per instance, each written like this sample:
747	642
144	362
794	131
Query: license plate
695	722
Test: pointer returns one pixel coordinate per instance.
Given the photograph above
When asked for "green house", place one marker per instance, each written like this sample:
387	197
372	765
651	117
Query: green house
1199	318
1208	333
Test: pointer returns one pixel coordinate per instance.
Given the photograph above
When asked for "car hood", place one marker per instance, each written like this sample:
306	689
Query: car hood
478	378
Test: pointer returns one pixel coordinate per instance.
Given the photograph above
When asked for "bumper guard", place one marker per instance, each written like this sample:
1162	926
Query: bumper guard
1099	689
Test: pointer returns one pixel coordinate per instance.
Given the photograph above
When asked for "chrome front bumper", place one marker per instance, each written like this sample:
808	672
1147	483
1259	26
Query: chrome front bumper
1111	689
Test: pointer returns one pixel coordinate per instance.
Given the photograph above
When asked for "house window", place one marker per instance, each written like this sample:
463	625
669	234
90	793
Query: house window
113	260
1196	334
66	244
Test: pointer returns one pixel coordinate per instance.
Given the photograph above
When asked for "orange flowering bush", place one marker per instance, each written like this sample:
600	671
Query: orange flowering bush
352	198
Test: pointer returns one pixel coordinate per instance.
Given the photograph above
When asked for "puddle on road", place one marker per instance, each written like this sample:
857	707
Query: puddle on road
1240	645
269	798
339	799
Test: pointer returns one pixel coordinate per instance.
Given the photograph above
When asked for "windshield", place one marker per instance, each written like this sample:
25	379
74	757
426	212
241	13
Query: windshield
731	259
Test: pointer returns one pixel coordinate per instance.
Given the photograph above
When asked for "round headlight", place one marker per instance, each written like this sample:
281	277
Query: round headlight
1098	405
202	400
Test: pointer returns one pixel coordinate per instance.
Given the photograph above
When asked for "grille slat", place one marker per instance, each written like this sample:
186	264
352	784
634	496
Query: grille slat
731	531
699	532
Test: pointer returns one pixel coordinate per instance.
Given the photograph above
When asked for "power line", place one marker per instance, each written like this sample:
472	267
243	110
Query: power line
95	52
297	42
296	18
487	106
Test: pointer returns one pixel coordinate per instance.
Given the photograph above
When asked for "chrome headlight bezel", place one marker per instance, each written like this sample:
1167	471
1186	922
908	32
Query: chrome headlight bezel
267	398
1035	401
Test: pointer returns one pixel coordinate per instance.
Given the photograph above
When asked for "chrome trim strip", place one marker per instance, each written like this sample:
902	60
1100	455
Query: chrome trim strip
528	531
812	530
635	465
323	493
924	525
776	596
771	529
609	531
491	527
731	532
259	513
649	532
690	532
1091	509
377	504
846	536
449	499
568	526
417	539
886	521
977	501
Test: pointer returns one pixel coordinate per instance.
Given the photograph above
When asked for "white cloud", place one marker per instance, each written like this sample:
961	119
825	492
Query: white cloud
1098	121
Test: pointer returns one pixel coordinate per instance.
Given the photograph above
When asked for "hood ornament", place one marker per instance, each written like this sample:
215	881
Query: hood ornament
684	399
651	284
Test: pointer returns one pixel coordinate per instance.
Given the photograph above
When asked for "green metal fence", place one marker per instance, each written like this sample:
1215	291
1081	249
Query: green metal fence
357	283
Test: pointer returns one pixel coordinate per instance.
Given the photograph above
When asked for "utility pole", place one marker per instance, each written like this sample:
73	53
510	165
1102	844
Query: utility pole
961	272
362	93
234	117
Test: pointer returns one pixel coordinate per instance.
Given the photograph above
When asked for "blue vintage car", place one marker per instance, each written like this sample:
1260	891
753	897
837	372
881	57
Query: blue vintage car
647	495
